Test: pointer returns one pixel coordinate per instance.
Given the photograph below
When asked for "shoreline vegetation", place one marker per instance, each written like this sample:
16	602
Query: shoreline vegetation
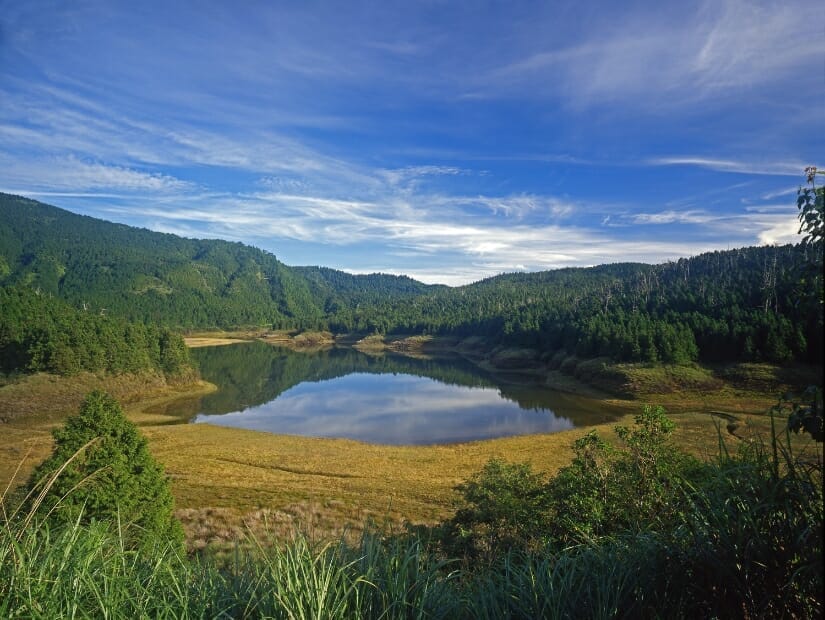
228	481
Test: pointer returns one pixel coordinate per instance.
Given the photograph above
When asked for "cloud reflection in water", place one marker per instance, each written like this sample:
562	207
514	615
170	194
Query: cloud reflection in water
392	409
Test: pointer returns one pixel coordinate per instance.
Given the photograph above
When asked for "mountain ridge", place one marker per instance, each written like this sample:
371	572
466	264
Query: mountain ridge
742	304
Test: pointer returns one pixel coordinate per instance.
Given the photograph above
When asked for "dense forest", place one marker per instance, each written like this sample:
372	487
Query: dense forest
759	303
744	304
41	333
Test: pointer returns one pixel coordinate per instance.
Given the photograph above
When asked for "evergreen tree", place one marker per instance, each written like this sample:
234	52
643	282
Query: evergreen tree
109	474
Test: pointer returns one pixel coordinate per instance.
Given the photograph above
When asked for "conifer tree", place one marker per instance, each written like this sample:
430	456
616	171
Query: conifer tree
109	474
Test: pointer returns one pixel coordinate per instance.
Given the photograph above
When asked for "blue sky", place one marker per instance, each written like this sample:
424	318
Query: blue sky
449	141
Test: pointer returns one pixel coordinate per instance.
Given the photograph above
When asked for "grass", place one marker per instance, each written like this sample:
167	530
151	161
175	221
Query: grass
228	480
749	544
32	405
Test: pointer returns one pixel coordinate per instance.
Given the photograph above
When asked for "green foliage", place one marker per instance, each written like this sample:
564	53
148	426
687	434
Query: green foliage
101	470
640	530
811	204
748	544
752	537
607	489
503	507
41	333
804	412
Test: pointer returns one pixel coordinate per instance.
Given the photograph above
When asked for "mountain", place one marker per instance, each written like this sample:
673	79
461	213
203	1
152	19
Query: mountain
169	280
760	303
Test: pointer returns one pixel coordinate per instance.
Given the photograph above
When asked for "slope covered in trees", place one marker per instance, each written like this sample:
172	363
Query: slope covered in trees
740	304
169	280
144	275
41	333
743	304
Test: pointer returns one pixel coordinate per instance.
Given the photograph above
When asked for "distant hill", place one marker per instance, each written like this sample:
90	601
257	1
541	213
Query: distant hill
758	303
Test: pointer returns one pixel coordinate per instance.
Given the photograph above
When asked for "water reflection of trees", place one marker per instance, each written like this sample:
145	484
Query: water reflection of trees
255	373
251	374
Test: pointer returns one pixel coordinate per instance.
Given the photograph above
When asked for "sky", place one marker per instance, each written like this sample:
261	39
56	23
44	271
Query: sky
448	141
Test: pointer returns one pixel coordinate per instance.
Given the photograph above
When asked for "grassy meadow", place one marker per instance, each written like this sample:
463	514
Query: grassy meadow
227	480
744	542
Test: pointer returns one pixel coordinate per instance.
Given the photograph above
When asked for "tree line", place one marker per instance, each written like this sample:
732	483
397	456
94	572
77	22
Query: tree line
41	333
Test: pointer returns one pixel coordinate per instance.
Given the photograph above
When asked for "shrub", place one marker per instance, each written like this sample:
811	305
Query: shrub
504	508
607	489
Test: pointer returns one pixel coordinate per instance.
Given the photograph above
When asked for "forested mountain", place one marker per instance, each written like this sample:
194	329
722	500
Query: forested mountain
745	304
169	280
759	303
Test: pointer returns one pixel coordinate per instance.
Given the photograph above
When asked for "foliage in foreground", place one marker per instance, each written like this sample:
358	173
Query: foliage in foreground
739	537
641	527
101	470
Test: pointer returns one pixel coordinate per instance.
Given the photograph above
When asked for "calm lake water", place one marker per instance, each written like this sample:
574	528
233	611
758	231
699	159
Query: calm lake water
388	399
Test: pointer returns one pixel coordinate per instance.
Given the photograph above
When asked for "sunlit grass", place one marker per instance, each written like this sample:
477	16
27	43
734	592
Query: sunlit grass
225	480
747	545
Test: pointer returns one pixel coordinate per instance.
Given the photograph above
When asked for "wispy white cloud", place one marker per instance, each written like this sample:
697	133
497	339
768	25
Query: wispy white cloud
673	57
671	216
515	206
783	168
789	191
74	175
407	174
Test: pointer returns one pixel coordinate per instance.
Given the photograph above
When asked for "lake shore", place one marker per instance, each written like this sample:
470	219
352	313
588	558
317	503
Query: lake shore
743	387
225	479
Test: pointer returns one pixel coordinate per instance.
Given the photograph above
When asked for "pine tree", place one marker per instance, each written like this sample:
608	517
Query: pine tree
113	477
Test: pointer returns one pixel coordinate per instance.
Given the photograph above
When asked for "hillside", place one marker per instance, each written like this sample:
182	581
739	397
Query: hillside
735	305
169	280
41	333
744	304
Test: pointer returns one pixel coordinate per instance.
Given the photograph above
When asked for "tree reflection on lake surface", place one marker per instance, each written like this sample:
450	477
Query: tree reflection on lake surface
387	399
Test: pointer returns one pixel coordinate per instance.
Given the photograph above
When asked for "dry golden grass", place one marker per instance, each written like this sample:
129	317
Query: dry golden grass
35	404
225	479
195	341
327	486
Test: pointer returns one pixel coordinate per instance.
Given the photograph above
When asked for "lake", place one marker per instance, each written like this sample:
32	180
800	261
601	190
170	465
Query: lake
381	399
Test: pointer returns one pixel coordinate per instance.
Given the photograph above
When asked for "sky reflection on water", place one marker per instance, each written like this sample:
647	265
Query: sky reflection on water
393	409
384	399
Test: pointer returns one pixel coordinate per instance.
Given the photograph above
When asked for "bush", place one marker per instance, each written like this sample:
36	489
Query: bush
607	489
504	508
